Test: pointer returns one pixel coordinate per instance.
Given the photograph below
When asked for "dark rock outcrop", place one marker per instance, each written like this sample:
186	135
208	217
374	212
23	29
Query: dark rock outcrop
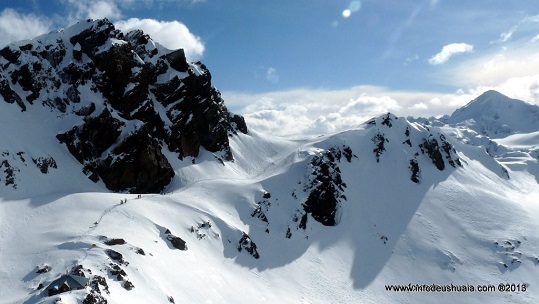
133	100
115	255
94	298
262	206
45	163
9	171
414	168
177	242
116	271
137	165
128	285
379	141
96	281
325	187
79	270
248	245
8	94
112	242
88	141
43	269
434	151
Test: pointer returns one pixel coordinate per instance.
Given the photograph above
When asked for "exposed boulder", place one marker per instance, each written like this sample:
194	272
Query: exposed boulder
113	242
115	256
128	285
176	241
43	269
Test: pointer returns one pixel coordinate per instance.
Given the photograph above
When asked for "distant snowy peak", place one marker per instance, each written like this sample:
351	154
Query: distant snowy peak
125	98
496	115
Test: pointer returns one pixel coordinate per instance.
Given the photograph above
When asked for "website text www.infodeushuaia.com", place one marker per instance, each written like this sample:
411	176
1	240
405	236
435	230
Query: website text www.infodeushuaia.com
502	287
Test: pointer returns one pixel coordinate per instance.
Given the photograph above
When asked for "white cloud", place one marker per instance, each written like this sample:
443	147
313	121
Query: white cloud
421	105
15	26
524	88
450	50
521	26
512	69
171	34
302	112
87	9
505	36
271	75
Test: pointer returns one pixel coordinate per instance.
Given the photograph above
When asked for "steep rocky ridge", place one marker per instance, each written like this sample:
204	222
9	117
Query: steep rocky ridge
127	97
390	145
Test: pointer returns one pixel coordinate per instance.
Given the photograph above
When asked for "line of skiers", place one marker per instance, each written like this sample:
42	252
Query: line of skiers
125	200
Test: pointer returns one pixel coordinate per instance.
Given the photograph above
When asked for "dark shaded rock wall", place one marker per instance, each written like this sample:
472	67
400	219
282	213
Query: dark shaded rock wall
149	99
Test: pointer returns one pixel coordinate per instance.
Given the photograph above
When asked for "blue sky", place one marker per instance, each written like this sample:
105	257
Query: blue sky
319	66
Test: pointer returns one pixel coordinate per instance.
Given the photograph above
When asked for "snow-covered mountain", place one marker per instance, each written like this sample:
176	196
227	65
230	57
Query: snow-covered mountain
496	115
120	97
132	174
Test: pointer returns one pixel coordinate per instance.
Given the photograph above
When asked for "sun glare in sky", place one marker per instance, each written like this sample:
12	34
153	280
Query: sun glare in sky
354	6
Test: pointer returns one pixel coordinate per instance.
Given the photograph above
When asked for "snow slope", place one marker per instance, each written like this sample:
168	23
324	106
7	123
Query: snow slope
457	226
496	115
342	218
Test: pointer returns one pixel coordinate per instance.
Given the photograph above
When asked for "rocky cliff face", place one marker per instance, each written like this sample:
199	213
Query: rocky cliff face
129	99
389	142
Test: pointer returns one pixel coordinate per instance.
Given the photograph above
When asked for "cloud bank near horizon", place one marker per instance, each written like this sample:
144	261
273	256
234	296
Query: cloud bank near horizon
509	65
